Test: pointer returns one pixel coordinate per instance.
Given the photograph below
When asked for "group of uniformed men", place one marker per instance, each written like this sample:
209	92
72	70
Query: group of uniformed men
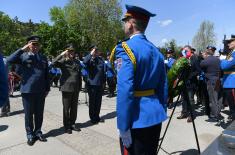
141	85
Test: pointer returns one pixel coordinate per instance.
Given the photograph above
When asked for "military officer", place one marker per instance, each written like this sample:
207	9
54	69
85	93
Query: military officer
141	86
35	86
95	67
70	86
228	67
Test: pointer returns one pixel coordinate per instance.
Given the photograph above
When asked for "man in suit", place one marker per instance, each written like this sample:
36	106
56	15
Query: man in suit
70	86
95	67
35	86
141	86
3	83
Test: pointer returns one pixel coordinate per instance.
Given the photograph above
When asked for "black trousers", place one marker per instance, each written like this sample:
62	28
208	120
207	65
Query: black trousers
95	99
33	108
70	106
229	97
112	85
186	106
144	141
6	108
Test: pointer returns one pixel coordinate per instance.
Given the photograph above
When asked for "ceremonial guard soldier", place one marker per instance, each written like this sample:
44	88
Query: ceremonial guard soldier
169	58
228	67
141	86
35	86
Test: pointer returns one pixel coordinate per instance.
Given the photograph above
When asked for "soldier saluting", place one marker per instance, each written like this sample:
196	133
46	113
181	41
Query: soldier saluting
70	86
35	86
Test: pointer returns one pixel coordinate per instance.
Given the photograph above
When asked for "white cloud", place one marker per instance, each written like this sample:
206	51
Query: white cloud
164	40
165	22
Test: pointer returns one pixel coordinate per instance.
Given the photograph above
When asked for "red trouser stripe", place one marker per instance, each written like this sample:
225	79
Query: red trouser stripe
233	92
125	151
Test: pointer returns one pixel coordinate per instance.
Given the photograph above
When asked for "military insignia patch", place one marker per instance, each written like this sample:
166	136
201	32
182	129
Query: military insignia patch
119	63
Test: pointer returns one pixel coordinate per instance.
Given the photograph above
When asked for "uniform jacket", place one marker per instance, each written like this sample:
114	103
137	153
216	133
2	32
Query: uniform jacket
140	112
170	62
71	74
95	69
211	67
228	66
3	83
109	70
34	71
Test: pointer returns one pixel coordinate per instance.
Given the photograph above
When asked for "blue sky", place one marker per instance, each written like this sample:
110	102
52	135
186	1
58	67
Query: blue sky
178	19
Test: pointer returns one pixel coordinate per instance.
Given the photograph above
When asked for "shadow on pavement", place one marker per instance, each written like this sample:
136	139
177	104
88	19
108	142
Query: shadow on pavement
16	112
186	152
109	115
55	132
3	127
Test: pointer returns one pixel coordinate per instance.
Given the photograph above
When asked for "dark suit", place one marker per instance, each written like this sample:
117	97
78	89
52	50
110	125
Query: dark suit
34	86
70	87
95	67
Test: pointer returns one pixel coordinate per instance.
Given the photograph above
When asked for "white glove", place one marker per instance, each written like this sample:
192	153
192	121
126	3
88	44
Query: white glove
126	138
166	61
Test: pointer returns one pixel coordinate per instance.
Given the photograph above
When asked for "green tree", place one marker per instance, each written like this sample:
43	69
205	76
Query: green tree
205	36
172	45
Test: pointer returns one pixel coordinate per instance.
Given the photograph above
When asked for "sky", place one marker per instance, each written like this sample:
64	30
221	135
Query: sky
176	19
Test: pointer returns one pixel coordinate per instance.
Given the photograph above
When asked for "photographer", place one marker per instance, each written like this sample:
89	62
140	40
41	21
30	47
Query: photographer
95	67
70	86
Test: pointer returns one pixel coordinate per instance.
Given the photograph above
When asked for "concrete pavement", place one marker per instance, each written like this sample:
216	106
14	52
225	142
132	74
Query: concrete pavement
100	139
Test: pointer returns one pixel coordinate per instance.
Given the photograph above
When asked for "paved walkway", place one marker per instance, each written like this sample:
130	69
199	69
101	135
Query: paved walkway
100	139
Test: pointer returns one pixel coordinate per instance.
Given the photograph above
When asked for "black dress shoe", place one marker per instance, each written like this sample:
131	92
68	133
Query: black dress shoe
31	141
68	131
41	138
101	120
73	127
182	116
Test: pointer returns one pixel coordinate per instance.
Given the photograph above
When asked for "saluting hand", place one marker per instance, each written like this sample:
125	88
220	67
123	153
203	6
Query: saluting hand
63	53
93	51
26	47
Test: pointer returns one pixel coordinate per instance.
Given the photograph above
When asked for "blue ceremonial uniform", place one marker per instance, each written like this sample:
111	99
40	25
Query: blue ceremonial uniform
34	85
3	83
109	69
140	112
228	66
170	63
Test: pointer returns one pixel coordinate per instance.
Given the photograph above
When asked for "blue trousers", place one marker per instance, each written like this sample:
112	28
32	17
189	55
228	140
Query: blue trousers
33	108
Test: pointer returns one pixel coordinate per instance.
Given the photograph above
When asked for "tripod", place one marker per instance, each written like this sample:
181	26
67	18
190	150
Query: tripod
181	77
